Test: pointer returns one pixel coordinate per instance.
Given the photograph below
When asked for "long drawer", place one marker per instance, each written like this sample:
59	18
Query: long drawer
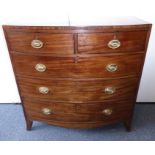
112	42
78	90
98	66
37	109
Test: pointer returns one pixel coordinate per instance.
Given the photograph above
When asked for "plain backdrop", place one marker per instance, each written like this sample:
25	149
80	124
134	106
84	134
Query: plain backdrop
50	12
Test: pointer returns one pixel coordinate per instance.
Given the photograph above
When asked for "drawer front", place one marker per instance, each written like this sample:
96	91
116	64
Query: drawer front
100	42
41	43
78	90
77	112
86	67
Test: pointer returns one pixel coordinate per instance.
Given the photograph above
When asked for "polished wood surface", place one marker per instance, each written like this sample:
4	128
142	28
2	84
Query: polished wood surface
74	86
78	90
78	66
77	113
52	43
98	42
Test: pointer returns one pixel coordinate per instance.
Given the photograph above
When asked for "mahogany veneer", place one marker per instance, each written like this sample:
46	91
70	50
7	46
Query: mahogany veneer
78	77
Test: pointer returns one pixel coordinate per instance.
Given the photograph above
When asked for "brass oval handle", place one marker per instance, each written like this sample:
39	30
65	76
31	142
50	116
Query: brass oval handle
40	67
113	44
110	90
107	112
46	111
37	43
111	67
43	90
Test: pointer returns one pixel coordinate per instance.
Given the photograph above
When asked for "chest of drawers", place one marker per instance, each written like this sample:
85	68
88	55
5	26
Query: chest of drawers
78	76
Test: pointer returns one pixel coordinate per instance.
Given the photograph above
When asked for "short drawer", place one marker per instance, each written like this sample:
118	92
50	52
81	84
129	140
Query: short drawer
112	42
78	90
77	112
41	43
84	67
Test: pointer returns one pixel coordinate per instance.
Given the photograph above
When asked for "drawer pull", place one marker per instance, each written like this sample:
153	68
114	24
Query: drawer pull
107	112
46	111
113	44
40	67
37	44
110	90
111	67
43	90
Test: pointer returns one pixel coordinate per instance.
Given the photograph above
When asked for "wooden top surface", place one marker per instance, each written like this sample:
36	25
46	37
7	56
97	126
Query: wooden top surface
80	21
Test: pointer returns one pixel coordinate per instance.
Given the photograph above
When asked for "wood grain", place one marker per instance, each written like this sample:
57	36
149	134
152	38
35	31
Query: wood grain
52	43
76	74
78	91
72	113
76	29
98	42
85	67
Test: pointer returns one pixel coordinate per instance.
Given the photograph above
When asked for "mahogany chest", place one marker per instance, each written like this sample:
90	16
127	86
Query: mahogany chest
78	76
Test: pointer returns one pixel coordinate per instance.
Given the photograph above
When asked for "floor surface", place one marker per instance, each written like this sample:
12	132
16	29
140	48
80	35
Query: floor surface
12	128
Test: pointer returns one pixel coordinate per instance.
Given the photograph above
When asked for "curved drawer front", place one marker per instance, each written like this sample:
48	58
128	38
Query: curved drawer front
100	42
77	112
85	67
78	76
78	90
48	43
